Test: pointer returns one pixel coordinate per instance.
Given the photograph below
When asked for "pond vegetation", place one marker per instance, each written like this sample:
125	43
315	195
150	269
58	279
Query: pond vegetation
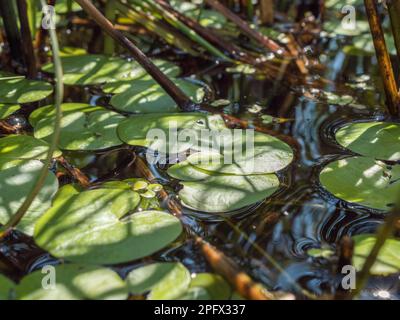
318	87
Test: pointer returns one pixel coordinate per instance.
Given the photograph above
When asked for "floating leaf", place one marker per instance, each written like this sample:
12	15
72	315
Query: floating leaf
380	140
225	193
83	127
74	282
149	97
325	253
363	181
14	148
364	45
97	69
7	110
163	281
245	154
154	130
91	228
207	286
337	27
15	184
6	287
19	91
388	260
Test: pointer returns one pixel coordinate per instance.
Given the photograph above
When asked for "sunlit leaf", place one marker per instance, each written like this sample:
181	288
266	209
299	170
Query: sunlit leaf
162	281
90	228
7	110
363	181
207	286
388	260
74	282
380	140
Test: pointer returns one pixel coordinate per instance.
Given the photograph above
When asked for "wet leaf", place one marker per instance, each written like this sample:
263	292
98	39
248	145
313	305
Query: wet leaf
154	130
149	97
90	228
15	184
388	260
97	69
207	286
6	287
258	155
162	281
380	140
74	282
225	193
14	148
19	91
7	110
363	181
325	253
83	127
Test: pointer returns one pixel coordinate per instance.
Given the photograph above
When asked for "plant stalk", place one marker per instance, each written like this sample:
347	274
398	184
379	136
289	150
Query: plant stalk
382	54
181	99
394	12
26	34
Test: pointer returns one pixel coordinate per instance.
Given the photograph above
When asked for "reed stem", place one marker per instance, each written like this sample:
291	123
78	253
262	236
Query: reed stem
382	54
394	12
26	33
9	16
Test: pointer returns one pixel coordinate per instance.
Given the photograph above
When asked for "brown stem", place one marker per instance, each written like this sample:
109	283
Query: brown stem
222	264
265	41
394	11
7	128
76	173
385	64
181	99
267	11
27	48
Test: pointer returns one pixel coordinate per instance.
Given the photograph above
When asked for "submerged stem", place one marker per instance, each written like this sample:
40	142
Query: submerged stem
59	93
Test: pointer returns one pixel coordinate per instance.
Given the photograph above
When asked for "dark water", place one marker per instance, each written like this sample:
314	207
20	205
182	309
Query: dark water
269	240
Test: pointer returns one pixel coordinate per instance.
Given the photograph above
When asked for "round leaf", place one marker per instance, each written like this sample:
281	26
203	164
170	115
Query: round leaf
150	97
363	181
83	127
74	282
89	228
380	140
15	184
224	193
22	147
163	281
7	110
207	286
388	260
154	131
13	91
6	287
97	69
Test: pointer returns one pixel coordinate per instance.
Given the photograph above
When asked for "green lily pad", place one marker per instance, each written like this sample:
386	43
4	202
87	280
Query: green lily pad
91	228
98	69
14	148
7	110
15	184
162	281
149	97
83	127
6	287
207	286
380	140
20	90
325	253
363	181
225	193
153	130
74	282
265	154
388	260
